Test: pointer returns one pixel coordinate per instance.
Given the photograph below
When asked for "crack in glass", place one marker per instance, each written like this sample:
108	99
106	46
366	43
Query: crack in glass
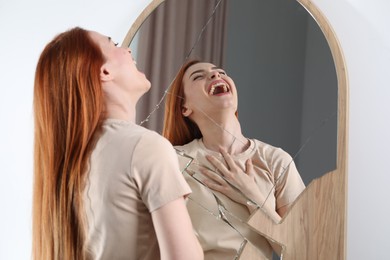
190	168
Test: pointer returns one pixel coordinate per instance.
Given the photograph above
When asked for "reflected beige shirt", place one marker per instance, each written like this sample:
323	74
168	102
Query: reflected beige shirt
134	171
219	240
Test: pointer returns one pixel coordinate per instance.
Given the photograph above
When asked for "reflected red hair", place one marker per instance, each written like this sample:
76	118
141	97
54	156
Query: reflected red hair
68	112
178	129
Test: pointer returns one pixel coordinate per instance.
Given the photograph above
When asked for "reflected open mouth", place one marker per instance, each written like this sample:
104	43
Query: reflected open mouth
219	87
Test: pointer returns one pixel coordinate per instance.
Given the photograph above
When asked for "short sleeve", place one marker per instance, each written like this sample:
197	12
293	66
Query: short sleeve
288	181
155	170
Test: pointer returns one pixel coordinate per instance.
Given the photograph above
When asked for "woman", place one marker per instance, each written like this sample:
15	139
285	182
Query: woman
100	190
201	122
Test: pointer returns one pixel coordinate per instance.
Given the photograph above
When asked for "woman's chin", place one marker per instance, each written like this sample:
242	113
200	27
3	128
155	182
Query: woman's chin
147	85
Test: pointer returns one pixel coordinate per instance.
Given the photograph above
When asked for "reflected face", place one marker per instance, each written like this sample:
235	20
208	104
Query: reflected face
209	89
120	64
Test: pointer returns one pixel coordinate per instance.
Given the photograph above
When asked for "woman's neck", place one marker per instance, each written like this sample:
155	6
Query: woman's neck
223	133
120	103
121	111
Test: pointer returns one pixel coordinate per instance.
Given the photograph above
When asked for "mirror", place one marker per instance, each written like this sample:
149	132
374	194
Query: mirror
287	71
284	73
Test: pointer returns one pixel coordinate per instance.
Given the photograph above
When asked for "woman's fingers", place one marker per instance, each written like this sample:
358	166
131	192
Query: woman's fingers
212	176
229	160
214	186
214	181
218	165
249	167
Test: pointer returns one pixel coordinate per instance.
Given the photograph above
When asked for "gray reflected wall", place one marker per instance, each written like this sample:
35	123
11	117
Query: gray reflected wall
319	113
285	79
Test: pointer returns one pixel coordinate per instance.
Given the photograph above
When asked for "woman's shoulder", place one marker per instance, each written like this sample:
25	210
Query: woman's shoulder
126	134
154	139
190	147
270	150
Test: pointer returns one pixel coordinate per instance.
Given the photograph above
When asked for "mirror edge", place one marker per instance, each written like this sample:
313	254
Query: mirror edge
319	214
139	21
340	175
327	231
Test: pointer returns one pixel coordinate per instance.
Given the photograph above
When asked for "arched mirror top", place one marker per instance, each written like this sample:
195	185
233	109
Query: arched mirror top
330	79
330	182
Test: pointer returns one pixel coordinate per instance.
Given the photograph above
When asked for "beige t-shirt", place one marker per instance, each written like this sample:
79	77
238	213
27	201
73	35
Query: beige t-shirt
133	172
219	240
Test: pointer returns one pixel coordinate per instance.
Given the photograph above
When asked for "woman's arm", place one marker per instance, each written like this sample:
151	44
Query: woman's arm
174	232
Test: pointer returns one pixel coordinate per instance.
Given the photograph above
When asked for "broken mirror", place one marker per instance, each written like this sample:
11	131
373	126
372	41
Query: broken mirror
286	81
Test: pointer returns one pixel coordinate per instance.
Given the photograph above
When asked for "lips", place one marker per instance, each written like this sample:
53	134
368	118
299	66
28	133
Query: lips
218	87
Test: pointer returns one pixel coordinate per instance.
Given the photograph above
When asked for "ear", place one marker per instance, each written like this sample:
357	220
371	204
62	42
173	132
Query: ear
105	74
185	111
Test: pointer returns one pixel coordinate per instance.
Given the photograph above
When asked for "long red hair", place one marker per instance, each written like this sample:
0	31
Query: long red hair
178	129
68	112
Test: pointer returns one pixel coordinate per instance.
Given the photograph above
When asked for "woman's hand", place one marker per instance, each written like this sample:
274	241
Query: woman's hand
243	181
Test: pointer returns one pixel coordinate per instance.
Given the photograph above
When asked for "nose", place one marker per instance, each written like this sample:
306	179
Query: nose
214	74
131	53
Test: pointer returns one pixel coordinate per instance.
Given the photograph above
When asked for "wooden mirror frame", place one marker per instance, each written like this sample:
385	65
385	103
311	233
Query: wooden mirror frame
315	225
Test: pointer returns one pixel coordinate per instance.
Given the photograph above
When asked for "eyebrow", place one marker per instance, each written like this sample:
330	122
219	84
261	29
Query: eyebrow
109	38
202	70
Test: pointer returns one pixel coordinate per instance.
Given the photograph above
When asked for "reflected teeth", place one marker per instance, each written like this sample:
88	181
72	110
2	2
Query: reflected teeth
216	85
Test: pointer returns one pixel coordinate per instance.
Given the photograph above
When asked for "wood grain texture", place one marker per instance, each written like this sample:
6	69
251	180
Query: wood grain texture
315	226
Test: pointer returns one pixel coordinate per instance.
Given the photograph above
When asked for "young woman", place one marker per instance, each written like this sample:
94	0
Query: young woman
104	187
244	174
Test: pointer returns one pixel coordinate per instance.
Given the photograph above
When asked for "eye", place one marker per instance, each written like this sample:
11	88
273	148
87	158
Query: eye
222	72
116	43
198	77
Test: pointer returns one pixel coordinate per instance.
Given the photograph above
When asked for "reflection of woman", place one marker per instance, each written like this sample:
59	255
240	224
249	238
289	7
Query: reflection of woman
201	121
104	188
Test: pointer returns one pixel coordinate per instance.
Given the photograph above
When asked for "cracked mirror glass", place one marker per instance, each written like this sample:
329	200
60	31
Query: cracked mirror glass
284	78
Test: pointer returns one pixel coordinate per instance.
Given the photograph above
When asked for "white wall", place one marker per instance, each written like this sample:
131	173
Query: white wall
361	26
